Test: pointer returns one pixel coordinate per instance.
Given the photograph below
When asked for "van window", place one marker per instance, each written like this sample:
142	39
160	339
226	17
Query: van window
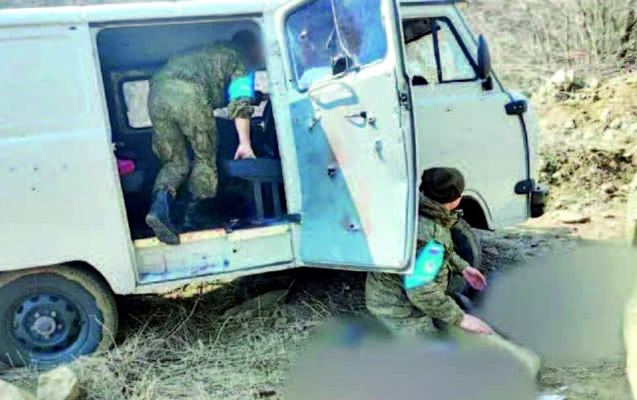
435	52
326	30
454	63
136	99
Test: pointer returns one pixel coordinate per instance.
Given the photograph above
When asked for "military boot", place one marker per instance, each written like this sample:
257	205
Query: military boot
158	218
192	218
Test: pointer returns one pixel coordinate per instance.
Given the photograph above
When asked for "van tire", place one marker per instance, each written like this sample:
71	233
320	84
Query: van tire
467	245
53	315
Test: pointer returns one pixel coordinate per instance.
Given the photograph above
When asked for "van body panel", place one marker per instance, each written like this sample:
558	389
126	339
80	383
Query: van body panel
63	199
213	252
462	125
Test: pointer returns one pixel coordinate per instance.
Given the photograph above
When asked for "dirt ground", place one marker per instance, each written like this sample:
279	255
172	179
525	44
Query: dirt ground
183	347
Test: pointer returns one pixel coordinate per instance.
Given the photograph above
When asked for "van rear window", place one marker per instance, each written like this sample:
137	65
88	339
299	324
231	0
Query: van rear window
136	99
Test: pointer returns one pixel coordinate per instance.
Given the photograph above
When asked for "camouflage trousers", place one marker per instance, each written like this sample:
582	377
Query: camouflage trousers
386	300
181	117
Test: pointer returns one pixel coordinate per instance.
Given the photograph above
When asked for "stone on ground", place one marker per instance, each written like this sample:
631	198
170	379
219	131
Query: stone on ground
265	301
58	384
12	392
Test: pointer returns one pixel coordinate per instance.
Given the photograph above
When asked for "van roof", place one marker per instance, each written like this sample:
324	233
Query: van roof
148	11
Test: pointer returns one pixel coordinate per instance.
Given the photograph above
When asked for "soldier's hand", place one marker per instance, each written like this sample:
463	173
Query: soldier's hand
474	278
476	325
244	151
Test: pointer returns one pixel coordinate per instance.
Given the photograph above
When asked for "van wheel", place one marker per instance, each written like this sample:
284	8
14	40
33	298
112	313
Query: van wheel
53	315
467	245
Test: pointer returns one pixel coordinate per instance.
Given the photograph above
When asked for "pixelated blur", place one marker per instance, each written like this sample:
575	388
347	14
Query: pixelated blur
356	359
568	307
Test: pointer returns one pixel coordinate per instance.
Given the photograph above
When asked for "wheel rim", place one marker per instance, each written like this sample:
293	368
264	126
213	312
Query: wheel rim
47	324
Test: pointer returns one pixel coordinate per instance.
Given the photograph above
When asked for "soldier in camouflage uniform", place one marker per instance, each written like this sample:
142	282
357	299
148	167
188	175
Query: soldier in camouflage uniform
183	95
412	311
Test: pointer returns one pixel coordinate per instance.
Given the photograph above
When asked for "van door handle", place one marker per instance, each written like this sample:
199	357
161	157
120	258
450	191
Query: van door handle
369	117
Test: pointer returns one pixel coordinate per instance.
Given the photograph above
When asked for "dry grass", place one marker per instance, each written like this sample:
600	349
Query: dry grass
182	348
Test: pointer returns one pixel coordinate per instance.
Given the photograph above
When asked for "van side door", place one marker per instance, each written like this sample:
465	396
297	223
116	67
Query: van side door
348	105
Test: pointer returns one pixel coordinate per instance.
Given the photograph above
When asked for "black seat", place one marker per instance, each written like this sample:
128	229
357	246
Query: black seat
264	173
259	172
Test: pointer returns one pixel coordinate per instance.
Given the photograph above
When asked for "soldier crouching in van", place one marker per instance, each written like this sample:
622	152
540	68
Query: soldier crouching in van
181	101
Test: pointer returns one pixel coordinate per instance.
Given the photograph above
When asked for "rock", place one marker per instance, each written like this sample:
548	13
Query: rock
609	188
559	204
265	301
570	125
608	215
570	217
551	396
605	116
12	392
280	322
560	77
616	124
593	83
492	251
611	135
58	384
567	80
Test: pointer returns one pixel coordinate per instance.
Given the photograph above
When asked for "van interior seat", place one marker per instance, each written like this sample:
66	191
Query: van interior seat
264	172
259	172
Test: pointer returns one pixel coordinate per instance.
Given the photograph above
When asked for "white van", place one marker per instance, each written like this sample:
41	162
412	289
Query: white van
334	184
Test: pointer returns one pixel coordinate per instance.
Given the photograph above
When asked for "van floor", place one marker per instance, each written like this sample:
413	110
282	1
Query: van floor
231	208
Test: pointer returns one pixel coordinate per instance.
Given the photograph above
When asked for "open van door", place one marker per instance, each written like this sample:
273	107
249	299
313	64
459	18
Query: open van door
349	115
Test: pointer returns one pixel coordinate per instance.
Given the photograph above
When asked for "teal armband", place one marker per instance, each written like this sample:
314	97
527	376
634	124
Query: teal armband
429	261
242	87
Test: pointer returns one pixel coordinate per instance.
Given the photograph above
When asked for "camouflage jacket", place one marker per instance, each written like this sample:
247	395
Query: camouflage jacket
386	296
212	68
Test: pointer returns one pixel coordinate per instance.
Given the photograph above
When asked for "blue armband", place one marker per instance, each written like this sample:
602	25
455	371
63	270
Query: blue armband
429	261
242	87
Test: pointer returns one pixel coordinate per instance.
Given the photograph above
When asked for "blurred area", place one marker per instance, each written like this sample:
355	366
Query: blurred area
568	307
352	359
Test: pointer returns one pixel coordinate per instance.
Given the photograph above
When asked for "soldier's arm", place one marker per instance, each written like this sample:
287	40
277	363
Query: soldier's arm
434	302
457	263
240	107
